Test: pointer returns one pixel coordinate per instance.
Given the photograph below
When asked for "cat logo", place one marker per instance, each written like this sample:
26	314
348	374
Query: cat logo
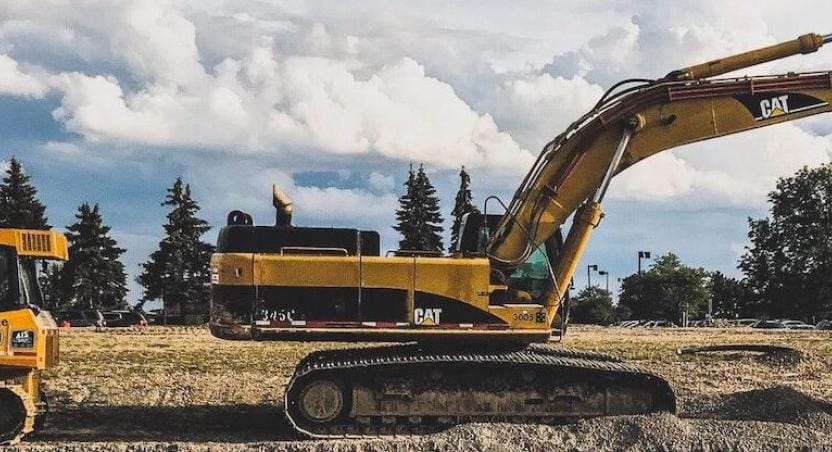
773	105
426	316
776	106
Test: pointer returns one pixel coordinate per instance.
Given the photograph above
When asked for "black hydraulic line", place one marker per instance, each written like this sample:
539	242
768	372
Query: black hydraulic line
623	82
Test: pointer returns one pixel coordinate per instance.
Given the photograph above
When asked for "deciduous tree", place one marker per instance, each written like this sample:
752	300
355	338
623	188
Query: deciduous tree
788	264
592	305
666	290
728	296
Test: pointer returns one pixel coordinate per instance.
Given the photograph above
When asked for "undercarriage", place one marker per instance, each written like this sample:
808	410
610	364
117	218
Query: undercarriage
416	388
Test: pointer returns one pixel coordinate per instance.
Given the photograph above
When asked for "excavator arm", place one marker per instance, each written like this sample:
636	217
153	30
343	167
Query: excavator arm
573	171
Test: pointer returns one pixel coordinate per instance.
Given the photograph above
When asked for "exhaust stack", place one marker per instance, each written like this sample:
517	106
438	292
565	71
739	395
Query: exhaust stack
805	44
283	207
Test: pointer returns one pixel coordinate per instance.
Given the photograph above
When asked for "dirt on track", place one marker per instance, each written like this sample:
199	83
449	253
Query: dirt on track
169	388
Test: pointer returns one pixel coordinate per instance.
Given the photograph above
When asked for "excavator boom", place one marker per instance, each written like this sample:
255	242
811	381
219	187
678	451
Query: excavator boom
575	168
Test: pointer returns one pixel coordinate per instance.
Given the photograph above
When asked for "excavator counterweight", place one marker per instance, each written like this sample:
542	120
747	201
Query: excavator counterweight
474	317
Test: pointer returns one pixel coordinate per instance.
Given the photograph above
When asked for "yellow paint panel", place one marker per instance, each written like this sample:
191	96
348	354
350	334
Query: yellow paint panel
460	279
306	271
387	272
36	243
43	353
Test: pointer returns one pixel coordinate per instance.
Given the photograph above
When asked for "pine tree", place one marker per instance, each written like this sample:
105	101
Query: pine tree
93	277
404	216
178	272
418	219
427	214
19	206
463	205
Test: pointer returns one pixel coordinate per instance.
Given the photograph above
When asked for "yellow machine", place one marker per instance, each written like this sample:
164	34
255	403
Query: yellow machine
473	315
28	335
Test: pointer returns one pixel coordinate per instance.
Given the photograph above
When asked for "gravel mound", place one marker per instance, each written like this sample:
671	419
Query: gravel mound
777	404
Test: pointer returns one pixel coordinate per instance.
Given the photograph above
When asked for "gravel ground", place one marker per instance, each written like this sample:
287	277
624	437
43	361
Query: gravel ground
162	389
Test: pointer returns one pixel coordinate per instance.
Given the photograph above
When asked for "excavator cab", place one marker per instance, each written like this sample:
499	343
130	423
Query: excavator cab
531	282
28	334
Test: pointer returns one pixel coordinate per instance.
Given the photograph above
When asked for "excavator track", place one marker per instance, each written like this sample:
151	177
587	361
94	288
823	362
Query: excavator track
18	414
416	388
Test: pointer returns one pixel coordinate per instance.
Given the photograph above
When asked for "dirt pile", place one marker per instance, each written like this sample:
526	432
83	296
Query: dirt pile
778	404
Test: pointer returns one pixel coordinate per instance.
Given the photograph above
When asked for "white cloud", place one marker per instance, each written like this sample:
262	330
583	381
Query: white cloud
537	108
330	204
261	98
658	37
739	169
16	83
302	83
380	182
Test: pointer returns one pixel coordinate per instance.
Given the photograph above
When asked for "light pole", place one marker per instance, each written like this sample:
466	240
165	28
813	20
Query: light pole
589	275
642	255
607	274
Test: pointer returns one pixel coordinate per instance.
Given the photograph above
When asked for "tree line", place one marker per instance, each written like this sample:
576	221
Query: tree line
418	218
785	266
94	277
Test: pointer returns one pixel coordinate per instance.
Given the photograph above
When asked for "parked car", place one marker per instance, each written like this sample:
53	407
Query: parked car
785	324
118	319
824	325
81	318
767	324
625	323
659	324
796	325
742	322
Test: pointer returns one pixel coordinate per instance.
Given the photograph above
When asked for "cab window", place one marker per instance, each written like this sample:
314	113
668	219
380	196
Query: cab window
7	276
531	278
29	290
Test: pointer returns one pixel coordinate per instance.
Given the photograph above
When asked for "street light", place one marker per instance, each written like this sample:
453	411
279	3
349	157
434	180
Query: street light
607	274
642	255
589	275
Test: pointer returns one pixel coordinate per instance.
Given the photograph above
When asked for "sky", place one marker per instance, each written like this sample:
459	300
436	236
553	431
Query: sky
109	101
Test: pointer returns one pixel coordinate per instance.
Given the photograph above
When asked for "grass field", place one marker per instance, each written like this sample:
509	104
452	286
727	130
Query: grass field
145	389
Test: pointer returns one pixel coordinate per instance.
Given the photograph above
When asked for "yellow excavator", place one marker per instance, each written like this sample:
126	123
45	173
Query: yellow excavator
28	335
474	322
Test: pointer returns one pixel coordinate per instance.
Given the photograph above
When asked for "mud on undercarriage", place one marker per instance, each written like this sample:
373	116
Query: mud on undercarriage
415	388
